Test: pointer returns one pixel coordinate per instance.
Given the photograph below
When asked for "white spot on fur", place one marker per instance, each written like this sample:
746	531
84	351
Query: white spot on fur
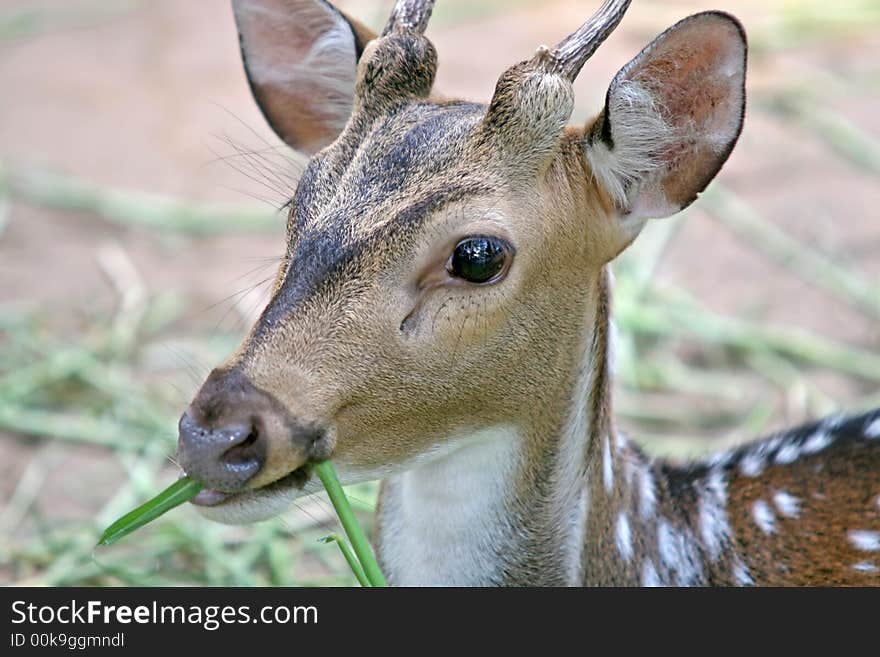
752	464
647	494
665	543
623	537
788	505
678	554
741	574
817	442
714	528
649	574
619	441
865	567
866	540
613	339
629	470
764	518
873	429
833	422
788	453
720	460
607	466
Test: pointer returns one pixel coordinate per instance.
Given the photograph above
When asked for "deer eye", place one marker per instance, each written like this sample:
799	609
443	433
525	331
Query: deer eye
480	259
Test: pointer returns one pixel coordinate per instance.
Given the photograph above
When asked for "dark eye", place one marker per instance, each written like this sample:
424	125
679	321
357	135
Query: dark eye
479	259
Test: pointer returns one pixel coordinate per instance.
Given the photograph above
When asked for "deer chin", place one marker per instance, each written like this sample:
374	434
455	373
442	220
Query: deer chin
249	506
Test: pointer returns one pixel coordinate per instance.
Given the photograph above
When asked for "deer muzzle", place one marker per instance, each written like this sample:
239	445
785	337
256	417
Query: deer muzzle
236	437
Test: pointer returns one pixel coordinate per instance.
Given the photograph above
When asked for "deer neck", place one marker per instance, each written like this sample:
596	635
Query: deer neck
566	501
508	504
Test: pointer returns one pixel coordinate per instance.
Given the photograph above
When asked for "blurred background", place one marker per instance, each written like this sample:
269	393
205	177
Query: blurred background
138	230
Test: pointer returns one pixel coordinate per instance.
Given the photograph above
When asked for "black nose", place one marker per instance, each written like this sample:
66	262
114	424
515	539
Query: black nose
222	457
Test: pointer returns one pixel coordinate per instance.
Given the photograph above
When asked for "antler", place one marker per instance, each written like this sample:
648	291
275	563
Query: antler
569	56
409	15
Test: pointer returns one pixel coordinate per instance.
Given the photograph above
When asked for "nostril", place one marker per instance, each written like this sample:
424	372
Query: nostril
252	436
244	452
222	457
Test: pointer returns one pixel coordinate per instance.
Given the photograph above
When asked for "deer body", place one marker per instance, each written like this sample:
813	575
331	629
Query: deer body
714	522
442	316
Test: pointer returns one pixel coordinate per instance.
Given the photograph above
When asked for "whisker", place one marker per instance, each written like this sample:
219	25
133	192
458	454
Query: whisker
193	369
269	150
241	292
264	174
249	313
246	163
254	177
237	297
272	203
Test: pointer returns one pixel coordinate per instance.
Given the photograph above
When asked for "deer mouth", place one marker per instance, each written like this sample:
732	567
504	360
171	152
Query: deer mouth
297	479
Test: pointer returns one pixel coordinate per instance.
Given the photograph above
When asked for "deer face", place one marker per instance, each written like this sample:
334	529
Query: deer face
441	255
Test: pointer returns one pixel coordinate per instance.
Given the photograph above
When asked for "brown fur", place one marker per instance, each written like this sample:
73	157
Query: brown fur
838	489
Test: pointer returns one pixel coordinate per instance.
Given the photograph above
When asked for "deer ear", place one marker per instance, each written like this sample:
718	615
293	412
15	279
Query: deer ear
671	118
301	58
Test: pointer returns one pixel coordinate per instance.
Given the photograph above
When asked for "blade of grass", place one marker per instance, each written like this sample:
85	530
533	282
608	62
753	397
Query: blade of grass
4	209
813	266
786	376
182	490
670	316
352	527
840	135
28	488
49	189
73	428
21	23
352	561
634	269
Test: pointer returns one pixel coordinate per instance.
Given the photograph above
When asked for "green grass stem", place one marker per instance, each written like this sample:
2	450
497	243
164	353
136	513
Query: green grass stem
352	561
350	524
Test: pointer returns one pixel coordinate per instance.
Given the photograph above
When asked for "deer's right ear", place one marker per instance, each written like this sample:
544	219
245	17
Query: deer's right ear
301	58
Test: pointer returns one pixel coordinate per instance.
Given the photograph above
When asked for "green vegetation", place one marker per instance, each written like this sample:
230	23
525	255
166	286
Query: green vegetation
182	490
361	561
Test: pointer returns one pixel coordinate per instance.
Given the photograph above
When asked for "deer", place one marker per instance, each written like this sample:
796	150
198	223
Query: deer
441	321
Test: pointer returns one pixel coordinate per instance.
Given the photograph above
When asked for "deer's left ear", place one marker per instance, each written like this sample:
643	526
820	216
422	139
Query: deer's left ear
671	118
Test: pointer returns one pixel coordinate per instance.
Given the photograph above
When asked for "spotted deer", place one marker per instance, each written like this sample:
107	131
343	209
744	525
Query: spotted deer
441	320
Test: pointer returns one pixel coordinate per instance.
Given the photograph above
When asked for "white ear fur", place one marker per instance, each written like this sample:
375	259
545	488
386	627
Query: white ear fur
671	118
641	136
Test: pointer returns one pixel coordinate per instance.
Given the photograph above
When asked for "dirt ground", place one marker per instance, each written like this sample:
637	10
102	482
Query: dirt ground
144	95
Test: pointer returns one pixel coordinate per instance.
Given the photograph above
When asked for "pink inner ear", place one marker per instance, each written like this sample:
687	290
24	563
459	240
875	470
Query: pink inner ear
301	60
695	74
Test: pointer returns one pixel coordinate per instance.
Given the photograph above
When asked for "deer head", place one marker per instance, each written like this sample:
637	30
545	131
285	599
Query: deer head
445	260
